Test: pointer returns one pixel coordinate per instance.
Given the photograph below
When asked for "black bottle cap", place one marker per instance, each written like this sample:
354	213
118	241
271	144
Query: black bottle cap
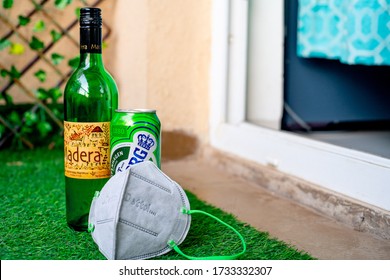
90	17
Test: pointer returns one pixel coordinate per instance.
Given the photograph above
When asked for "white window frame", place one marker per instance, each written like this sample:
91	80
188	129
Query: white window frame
359	175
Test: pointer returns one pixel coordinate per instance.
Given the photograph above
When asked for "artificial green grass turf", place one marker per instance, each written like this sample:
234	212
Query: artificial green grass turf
33	223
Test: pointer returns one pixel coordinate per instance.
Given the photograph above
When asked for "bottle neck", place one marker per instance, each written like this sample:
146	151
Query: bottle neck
91	46
91	59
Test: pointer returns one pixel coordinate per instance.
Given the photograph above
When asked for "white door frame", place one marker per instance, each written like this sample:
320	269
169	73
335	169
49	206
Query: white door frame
359	175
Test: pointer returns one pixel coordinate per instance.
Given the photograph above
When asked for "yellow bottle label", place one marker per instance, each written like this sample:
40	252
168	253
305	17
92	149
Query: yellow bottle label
87	150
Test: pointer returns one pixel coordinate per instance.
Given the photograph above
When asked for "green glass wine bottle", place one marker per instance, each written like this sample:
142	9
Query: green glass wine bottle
90	100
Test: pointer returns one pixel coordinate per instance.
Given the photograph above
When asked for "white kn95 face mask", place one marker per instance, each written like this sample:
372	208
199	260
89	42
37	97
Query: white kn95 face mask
141	214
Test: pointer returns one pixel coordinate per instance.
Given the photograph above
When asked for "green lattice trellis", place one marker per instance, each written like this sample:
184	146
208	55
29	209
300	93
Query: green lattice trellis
38	47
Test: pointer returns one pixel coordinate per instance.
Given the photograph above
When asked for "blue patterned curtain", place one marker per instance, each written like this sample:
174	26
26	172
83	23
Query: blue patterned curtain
353	31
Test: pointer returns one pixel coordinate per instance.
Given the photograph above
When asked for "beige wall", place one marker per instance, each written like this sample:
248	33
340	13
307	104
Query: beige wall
158	53
162	51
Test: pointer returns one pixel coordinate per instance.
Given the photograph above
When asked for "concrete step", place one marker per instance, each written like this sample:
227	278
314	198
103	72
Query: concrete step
284	219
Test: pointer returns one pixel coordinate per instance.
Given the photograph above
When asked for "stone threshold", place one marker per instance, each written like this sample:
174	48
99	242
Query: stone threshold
355	214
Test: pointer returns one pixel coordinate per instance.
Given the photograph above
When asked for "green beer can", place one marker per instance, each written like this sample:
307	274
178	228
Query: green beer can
135	137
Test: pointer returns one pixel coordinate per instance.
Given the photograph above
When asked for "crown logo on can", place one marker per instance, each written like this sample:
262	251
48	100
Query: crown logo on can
145	141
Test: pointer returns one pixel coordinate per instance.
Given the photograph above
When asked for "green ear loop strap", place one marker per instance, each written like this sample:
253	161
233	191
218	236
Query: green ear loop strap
173	245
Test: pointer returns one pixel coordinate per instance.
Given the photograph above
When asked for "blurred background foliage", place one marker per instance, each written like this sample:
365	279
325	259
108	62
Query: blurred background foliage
39	47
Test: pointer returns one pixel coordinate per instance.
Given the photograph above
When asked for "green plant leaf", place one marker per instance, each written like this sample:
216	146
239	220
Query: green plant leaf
55	93
3	73
36	44
74	62
14	73
77	12
37	6
61	4
7	4
14	118
26	130
55	35
16	49
44	128
4	43
57	113
39	26
30	118
41	75
42	94
8	99
56	58
23	21
2	130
